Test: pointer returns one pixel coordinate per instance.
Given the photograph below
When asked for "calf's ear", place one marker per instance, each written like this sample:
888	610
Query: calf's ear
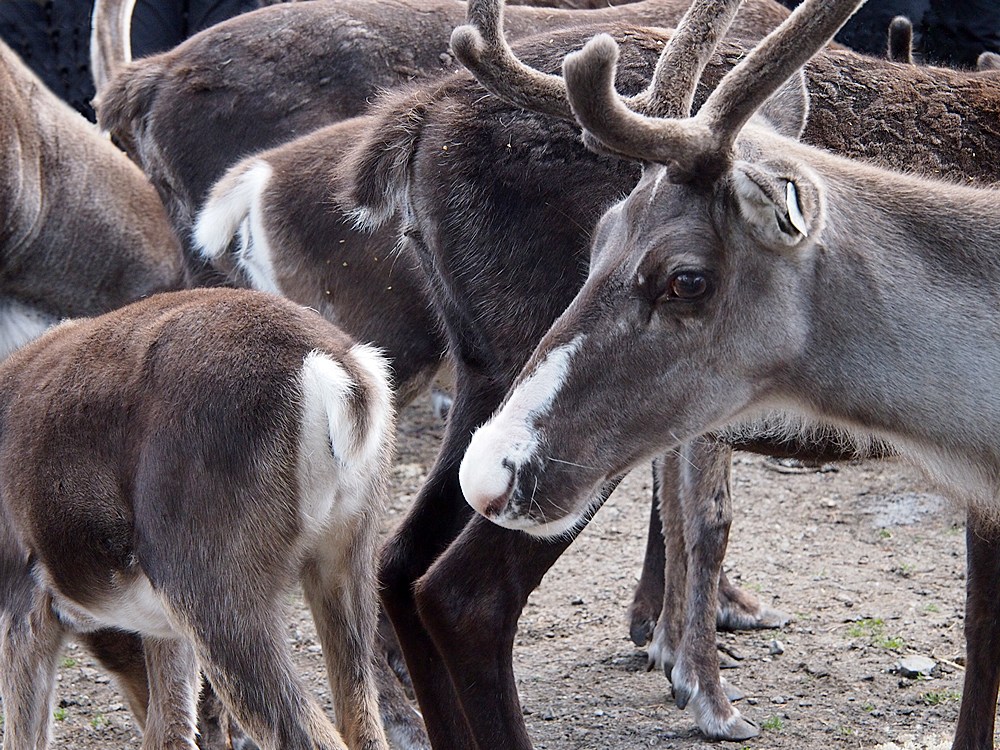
781	202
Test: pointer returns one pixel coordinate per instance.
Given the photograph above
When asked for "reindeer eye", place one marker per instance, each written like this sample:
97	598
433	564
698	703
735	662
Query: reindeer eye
688	285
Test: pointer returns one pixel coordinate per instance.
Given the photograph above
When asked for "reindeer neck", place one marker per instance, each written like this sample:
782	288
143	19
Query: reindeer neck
906	319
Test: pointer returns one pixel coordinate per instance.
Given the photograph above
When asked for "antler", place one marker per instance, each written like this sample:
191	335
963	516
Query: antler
110	44
692	143
480	46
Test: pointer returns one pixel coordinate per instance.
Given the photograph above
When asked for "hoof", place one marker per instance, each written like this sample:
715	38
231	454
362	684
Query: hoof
732	692
641	629
682	694
741	729
772	618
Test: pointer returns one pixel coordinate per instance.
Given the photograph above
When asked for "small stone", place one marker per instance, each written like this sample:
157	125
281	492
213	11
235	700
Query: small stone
776	648
914	666
816	670
779	700
577	600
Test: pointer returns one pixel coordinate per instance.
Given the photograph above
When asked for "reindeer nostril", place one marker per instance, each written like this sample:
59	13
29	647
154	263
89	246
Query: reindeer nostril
497	505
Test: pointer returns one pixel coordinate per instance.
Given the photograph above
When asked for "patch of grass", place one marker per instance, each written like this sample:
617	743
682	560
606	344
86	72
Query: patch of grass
772	723
872	629
937	697
99	721
869	707
891	642
845	731
884	534
60	714
69	662
932	608
866	628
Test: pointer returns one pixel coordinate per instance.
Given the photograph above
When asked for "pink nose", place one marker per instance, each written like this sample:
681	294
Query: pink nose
488	492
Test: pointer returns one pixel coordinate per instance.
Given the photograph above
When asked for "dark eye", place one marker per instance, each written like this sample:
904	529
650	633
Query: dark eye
688	285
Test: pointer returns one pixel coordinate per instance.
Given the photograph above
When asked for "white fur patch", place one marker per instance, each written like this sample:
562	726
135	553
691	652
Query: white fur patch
234	206
337	460
509	436
21	324
136	607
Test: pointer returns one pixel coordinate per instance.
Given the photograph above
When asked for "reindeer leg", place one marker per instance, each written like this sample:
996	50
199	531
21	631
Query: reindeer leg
121	653
435	519
670	626
470	601
704	469
30	639
244	654
173	692
647	601
977	716
338	580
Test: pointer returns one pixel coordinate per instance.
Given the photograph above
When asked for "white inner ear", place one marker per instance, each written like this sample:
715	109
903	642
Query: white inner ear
792	209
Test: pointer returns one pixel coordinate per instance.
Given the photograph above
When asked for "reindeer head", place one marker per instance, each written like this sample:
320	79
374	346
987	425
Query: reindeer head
692	313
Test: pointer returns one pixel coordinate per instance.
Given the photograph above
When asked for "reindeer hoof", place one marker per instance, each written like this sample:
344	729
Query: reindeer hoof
741	729
772	618
641	629
732	692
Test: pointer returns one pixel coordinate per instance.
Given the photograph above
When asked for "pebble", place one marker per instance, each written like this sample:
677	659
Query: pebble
914	666
776	648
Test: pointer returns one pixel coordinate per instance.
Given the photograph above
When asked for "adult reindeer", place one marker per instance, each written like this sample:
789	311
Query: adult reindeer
458	164
187	115
83	231
124	441
749	272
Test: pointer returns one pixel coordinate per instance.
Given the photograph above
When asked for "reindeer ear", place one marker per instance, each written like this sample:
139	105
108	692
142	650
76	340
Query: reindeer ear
787	108
781	204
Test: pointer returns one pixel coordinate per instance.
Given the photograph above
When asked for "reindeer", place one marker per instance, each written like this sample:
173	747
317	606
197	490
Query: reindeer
294	240
83	231
124	439
458	164
749	273
187	115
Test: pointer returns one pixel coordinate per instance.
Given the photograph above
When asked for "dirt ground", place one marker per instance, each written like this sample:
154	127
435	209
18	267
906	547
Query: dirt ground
867	557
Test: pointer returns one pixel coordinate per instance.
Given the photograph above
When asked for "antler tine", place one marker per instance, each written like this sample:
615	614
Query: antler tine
772	62
481	47
671	90
701	144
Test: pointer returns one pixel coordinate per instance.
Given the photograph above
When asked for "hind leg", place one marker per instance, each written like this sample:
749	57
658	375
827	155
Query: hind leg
121	653
245	656
339	583
173	693
31	637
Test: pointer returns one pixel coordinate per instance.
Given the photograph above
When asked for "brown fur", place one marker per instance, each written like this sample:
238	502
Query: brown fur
166	416
185	116
83	231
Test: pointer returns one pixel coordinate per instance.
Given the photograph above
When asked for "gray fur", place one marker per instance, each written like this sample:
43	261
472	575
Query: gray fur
874	311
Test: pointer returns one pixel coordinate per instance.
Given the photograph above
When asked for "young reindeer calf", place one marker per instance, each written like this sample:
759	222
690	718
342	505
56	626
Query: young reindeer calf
170	469
747	272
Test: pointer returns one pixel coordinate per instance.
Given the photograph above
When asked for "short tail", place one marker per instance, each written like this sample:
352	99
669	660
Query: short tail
229	205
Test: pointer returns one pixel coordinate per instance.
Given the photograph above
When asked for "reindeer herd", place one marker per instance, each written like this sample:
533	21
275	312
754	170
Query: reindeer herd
631	245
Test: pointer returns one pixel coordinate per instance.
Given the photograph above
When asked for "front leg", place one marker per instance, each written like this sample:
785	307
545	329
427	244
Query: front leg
647	600
470	601
982	632
703	470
